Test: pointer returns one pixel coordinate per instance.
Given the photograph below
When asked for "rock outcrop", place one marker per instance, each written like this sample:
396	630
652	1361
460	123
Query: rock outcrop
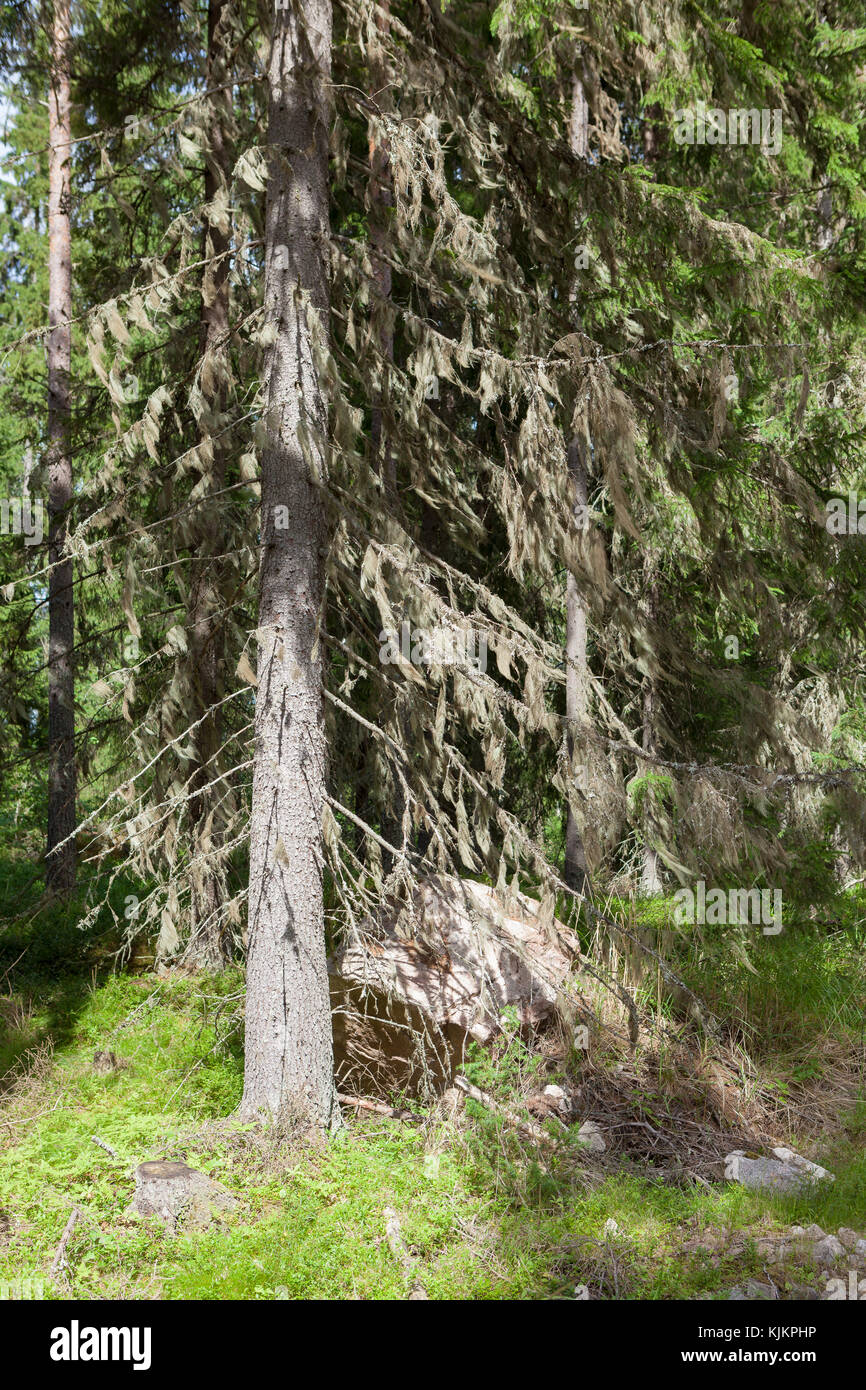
441	969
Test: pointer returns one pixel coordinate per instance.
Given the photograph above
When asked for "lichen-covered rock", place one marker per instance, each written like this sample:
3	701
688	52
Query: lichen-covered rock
813	1232
803	1293
590	1135
178	1194
786	1171
437	971
774	1251
753	1292
827	1251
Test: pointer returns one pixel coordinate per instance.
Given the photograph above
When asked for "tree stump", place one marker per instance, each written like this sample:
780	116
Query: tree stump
174	1192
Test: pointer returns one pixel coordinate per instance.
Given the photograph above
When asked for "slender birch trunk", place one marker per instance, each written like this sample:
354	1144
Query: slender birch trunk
60	856
289	1049
575	874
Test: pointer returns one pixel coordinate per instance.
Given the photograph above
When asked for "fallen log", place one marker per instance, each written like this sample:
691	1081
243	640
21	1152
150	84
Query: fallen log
379	1107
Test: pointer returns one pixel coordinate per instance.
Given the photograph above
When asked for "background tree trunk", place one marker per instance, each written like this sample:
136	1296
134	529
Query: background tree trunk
575	873
60	862
209	946
650	878
379	195
379	201
289	1047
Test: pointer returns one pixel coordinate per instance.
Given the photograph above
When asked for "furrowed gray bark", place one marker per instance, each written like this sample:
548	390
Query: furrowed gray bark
289	1047
60	849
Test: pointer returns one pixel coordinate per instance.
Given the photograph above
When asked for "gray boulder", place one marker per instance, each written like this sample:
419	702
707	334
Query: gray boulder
590	1135
753	1292
814	1232
786	1171
429	975
827	1251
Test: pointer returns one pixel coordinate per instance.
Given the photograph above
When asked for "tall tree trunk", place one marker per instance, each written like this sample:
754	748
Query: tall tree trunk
576	875
289	1049
60	856
209	946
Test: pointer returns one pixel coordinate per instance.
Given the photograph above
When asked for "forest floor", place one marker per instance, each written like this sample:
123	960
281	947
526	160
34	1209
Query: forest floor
483	1211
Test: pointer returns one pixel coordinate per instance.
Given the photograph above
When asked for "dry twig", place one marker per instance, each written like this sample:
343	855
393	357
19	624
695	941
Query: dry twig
60	1263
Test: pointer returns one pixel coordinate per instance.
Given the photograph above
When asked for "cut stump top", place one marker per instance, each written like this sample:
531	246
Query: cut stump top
162	1168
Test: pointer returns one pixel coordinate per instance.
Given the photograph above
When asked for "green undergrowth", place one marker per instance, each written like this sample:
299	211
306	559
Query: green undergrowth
484	1213
770	992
